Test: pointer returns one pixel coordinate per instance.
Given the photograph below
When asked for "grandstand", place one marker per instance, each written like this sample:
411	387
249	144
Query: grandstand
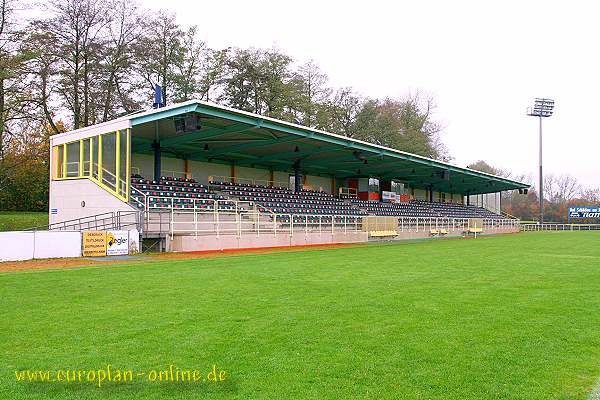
235	179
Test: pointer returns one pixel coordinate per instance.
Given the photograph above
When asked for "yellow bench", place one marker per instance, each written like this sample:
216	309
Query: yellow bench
382	233
438	232
474	231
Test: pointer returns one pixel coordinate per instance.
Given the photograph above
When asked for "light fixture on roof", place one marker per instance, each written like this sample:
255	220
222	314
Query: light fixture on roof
542	108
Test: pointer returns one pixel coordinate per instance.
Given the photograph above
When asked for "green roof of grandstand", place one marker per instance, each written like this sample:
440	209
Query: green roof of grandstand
229	135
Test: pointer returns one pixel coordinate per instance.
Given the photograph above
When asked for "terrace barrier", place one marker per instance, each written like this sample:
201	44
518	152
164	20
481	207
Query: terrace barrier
560	227
227	217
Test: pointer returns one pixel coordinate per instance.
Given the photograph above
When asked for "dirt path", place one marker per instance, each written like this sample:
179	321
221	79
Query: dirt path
66	263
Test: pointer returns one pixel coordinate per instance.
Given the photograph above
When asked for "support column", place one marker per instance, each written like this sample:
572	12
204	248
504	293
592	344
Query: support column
157	166
468	199
541	194
297	182
271	177
431	194
186	169
232	173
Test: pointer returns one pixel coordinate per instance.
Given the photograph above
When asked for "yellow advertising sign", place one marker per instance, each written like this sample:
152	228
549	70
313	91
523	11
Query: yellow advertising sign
94	244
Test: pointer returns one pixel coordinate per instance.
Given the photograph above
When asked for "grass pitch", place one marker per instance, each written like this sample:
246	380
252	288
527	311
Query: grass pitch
505	317
18	220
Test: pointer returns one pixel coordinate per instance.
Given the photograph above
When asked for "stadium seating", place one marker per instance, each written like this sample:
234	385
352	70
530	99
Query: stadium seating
180	193
418	208
183	193
282	200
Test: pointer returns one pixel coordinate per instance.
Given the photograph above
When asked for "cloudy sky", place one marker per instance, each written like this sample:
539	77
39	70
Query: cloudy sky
484	63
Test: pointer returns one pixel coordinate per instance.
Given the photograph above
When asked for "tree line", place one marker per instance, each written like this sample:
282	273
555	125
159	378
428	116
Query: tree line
83	62
560	193
67	64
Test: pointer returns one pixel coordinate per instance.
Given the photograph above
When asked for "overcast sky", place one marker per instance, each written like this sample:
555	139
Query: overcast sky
484	63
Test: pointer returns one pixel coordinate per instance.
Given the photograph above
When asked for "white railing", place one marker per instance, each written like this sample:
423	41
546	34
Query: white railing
103	221
423	224
197	204
198	223
227	217
133	199
347	193
560	227
249	181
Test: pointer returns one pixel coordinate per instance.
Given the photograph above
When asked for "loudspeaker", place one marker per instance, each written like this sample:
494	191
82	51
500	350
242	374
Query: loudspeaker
192	123
179	125
187	123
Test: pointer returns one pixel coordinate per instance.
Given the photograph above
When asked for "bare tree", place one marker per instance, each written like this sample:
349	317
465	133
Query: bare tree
560	189
591	195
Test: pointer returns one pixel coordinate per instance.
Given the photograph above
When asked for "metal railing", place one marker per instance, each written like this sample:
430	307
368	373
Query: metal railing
119	220
197	204
347	193
249	181
200	222
235	219
163	172
423	224
133	199
559	227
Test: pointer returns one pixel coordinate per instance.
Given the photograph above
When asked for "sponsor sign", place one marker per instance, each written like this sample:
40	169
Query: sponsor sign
584	212
389	197
117	243
94	243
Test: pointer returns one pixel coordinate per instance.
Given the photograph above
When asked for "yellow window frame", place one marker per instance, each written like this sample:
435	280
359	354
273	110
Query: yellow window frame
116	191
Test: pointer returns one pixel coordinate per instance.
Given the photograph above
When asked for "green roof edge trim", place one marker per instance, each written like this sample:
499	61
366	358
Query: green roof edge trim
260	121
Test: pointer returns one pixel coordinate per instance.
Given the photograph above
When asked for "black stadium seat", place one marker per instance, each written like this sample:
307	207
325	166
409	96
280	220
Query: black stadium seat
187	193
282	200
178	192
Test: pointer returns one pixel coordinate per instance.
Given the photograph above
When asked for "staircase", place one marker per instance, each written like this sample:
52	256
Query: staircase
119	220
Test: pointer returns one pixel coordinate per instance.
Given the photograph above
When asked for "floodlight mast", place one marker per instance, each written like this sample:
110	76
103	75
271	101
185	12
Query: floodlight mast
542	108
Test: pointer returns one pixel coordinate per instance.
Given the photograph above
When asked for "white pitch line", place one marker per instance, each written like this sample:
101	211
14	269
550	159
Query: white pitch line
595	395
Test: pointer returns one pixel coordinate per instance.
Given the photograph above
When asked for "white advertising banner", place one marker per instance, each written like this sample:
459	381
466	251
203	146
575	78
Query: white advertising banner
57	244
16	246
388	196
117	243
134	241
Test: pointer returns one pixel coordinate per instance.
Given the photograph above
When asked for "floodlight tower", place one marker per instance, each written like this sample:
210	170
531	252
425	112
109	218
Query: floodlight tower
542	108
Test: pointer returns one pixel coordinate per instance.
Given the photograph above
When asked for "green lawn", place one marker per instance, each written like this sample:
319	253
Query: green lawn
19	220
504	317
